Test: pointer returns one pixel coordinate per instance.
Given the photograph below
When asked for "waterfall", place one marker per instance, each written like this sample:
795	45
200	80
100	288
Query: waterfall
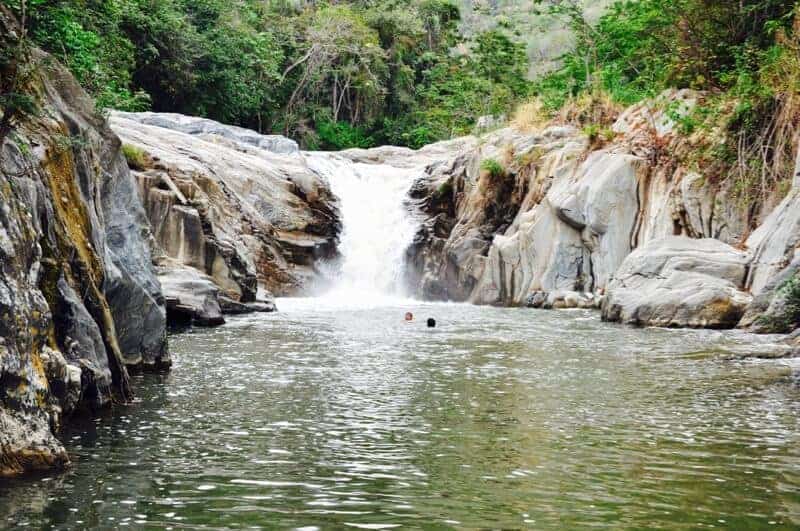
376	225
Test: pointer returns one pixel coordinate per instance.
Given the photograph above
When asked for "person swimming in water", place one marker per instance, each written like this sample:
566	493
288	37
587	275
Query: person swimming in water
431	322
409	316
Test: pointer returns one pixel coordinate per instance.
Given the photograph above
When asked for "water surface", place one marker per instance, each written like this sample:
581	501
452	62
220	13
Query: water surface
327	415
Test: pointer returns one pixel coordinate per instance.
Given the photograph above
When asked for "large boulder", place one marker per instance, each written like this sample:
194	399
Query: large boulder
775	267
679	282
192	297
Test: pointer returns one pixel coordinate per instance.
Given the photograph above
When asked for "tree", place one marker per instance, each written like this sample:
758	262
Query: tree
17	69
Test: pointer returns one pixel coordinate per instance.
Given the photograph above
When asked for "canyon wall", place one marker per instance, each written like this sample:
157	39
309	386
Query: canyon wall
232	211
80	304
556	219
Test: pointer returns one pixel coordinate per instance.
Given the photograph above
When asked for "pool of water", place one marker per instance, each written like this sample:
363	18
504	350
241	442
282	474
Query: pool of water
328	415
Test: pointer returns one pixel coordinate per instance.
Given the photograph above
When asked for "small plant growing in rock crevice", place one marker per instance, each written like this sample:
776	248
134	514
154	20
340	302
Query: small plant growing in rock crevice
493	168
137	158
598	136
790	291
445	189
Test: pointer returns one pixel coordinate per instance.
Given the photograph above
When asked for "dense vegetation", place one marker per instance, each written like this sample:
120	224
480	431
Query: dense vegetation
365	72
743	55
333	75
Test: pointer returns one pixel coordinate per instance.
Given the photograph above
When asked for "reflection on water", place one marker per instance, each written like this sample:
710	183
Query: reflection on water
323	416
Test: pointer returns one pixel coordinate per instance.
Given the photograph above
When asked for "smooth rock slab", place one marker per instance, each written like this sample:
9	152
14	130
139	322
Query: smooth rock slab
192	297
680	282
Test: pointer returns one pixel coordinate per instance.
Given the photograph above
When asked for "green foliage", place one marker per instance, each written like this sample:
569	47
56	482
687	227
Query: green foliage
17	72
494	168
137	159
640	47
342	135
349	73
744	55
598	134
445	189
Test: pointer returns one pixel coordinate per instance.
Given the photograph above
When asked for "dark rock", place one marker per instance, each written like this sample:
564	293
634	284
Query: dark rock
536	300
233	307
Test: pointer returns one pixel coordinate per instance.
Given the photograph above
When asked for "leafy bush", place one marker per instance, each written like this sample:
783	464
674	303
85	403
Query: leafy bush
444	189
791	293
493	168
342	135
789	318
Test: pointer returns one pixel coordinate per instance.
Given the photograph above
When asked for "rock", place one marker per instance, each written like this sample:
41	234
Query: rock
659	113
679	282
775	250
536	300
775	244
488	122
83	345
563	217
243	208
201	127
79	300
64	379
770	312
192	298
237	308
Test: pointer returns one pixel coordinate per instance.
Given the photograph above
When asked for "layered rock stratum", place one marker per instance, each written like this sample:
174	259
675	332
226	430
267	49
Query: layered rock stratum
236	208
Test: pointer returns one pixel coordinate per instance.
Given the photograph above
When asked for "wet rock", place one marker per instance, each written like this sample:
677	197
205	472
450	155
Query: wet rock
536	300
64	379
680	282
83	346
232	307
192	298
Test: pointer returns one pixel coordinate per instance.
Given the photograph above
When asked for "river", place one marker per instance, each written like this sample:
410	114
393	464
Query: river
330	415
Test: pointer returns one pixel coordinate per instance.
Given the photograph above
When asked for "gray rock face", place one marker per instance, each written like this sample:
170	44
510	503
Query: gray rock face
563	217
776	243
83	345
771	311
201	127
192	298
680	282
74	266
775	250
242	208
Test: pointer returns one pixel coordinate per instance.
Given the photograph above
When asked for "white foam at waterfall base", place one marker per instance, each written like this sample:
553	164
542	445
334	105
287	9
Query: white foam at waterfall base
376	230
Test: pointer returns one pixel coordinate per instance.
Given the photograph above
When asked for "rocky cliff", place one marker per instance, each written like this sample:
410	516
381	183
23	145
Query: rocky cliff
79	301
558	219
231	210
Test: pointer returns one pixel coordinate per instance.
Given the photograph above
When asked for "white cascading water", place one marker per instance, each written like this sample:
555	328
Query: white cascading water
376	226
